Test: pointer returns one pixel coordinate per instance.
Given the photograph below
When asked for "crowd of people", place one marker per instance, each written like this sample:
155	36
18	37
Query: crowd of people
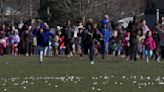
136	42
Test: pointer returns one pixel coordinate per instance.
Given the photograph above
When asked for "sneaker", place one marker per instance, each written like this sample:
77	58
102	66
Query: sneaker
71	54
103	57
122	56
68	56
92	62
27	54
147	60
158	59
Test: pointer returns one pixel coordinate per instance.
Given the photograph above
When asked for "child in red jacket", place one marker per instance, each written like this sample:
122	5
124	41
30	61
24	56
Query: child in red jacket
149	45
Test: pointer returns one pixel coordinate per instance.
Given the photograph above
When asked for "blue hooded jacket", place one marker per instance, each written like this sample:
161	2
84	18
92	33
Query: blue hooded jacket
106	34
43	38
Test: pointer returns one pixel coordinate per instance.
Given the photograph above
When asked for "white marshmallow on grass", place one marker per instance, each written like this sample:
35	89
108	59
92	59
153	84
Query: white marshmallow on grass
161	83
12	80
112	76
32	83
56	86
98	89
148	78
24	87
66	80
115	83
93	88
149	83
16	84
4	84
49	84
5	89
121	83
134	82
46	81
141	77
123	77
75	82
135	77
94	83
106	77
139	87
26	81
145	84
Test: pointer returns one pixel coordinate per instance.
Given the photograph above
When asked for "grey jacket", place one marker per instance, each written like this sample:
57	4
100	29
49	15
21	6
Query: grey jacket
161	35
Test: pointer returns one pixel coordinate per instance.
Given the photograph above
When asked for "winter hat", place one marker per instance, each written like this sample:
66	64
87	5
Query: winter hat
105	21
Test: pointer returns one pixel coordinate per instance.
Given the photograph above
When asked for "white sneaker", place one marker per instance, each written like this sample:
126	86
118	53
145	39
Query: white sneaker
92	62
158	59
147	60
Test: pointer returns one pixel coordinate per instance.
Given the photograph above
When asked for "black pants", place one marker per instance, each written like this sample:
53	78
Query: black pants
21	47
133	52
127	51
162	51
29	47
68	45
85	48
91	53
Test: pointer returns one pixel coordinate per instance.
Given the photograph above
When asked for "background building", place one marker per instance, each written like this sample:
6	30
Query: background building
154	9
24	9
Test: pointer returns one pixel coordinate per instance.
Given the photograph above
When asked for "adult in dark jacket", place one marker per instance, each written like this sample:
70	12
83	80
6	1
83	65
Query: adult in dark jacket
133	28
29	41
68	37
160	29
21	45
88	39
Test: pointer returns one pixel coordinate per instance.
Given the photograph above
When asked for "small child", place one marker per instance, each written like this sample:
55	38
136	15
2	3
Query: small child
35	46
2	43
56	44
140	39
126	44
15	39
149	45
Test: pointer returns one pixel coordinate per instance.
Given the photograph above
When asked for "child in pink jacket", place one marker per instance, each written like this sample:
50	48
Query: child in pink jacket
149	45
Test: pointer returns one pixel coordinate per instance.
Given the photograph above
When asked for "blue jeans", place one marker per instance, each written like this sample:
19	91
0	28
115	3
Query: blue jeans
104	48
148	53
91	51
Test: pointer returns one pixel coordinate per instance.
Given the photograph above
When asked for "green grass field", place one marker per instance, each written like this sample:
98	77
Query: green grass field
61	74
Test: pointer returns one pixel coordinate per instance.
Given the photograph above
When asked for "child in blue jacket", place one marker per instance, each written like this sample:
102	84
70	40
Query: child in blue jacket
42	39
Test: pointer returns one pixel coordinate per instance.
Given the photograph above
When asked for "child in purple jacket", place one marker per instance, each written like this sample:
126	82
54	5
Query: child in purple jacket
15	39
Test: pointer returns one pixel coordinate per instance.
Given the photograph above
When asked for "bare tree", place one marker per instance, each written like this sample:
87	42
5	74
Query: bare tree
17	8
96	8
